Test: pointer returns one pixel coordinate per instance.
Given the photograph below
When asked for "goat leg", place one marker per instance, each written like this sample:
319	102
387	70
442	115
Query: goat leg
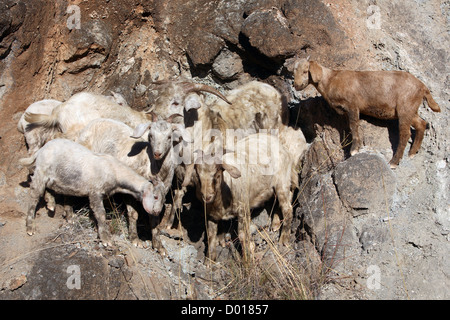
419	125
211	254
35	195
96	204
156	236
353	120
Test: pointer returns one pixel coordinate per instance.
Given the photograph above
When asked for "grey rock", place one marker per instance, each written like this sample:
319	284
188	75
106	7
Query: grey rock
268	31
365	183
227	65
324	218
203	48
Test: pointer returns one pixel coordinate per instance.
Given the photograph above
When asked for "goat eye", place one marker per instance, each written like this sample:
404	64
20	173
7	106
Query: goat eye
175	103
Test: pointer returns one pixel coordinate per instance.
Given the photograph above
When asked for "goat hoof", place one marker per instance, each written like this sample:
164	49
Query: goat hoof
163	252
209	263
107	243
30	229
393	165
276	223
284	240
139	243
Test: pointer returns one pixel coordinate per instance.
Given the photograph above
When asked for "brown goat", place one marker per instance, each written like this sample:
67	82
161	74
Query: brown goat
384	95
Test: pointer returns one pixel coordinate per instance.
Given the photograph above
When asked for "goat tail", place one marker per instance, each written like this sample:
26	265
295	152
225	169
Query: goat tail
431	103
28	162
35	120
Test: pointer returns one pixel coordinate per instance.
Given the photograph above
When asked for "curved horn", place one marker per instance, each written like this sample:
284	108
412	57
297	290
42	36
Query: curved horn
197	87
172	117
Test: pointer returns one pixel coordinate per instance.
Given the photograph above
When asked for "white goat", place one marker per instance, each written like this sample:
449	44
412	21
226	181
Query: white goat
259	168
113	137
71	116
254	106
71	169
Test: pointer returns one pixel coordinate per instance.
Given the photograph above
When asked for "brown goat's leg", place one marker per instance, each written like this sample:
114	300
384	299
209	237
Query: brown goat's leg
419	125
405	134
353	120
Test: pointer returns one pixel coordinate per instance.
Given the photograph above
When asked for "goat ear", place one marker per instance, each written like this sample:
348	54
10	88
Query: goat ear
316	71
140	130
188	174
154	116
181	130
232	170
199	158
193	101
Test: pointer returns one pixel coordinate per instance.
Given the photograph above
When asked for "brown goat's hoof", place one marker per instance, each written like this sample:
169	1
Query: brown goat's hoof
163	252
393	165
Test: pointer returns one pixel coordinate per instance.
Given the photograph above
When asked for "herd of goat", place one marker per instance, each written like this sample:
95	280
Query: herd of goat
237	152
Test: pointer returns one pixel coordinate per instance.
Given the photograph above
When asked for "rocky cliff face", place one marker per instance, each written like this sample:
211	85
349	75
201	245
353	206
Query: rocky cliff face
383	233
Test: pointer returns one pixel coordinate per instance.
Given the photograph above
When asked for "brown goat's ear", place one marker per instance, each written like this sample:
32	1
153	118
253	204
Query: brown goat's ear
316	71
232	170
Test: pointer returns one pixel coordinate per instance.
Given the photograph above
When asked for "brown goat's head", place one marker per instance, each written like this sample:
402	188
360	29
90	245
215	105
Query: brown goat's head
301	74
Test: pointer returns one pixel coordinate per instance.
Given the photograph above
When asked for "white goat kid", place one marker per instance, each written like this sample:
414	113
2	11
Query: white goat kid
113	137
70	169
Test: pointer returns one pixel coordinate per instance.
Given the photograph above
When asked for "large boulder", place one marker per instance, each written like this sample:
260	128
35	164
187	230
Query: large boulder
268	31
365	183
324	221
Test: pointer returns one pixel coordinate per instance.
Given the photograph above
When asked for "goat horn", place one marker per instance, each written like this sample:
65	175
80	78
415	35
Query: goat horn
196	87
173	116
150	110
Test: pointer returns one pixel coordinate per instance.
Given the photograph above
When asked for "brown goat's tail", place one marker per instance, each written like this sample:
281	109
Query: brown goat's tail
431	103
48	121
